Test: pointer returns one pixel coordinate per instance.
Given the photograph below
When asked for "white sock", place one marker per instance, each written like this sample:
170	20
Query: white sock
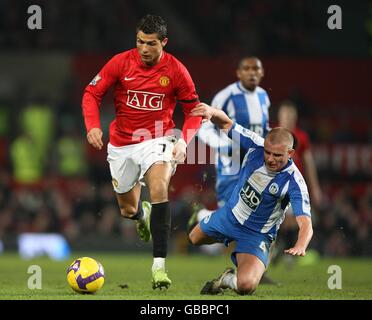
229	281
203	213
158	263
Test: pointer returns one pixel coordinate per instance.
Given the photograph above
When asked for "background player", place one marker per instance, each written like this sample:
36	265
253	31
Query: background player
269	181
142	149
304	160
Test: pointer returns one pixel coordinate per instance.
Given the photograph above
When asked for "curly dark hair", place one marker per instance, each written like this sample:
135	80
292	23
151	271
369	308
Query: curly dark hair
153	24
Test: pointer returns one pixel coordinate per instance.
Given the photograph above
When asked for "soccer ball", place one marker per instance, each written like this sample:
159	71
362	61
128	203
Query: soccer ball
85	275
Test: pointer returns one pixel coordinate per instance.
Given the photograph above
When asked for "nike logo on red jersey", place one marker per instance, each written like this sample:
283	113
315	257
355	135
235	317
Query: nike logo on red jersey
128	79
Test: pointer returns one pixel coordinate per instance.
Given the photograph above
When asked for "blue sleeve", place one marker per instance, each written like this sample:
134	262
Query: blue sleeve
244	137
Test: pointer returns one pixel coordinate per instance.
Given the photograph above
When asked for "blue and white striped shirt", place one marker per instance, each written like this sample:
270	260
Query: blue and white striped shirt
261	197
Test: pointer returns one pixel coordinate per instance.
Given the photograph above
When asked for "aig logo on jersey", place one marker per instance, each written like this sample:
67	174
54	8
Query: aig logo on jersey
250	196
145	100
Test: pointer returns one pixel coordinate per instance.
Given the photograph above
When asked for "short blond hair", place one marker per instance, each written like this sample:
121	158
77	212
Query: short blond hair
280	135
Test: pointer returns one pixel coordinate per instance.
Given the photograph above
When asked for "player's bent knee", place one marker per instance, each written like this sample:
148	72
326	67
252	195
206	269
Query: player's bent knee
246	286
128	211
192	237
195	237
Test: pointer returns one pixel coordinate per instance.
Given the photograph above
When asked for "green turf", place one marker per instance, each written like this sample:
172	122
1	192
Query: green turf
188	274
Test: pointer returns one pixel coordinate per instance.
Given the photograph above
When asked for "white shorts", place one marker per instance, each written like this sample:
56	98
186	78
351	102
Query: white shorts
129	164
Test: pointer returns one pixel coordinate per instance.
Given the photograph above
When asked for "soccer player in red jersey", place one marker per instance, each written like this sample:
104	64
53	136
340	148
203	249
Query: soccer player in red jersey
303	157
143	149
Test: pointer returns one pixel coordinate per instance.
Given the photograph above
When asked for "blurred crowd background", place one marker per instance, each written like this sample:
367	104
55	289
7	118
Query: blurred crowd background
51	180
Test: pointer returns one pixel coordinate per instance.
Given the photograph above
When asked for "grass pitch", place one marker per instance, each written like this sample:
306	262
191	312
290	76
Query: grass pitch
128	277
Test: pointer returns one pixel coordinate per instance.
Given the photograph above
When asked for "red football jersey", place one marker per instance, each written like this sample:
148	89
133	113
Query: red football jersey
144	98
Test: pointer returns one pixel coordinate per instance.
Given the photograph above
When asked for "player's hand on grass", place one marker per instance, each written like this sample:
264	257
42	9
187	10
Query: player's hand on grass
204	111
94	137
296	251
179	151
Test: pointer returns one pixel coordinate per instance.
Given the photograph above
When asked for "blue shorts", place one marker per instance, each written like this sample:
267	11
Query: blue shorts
224	227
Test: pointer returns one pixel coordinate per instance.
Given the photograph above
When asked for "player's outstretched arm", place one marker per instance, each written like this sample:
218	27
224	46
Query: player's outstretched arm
218	117
305	234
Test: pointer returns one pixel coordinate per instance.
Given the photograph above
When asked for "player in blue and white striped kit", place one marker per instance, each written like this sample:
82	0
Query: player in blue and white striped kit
269	182
246	103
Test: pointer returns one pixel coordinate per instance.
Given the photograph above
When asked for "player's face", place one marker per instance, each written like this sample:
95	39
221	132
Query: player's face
150	47
250	73
276	155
